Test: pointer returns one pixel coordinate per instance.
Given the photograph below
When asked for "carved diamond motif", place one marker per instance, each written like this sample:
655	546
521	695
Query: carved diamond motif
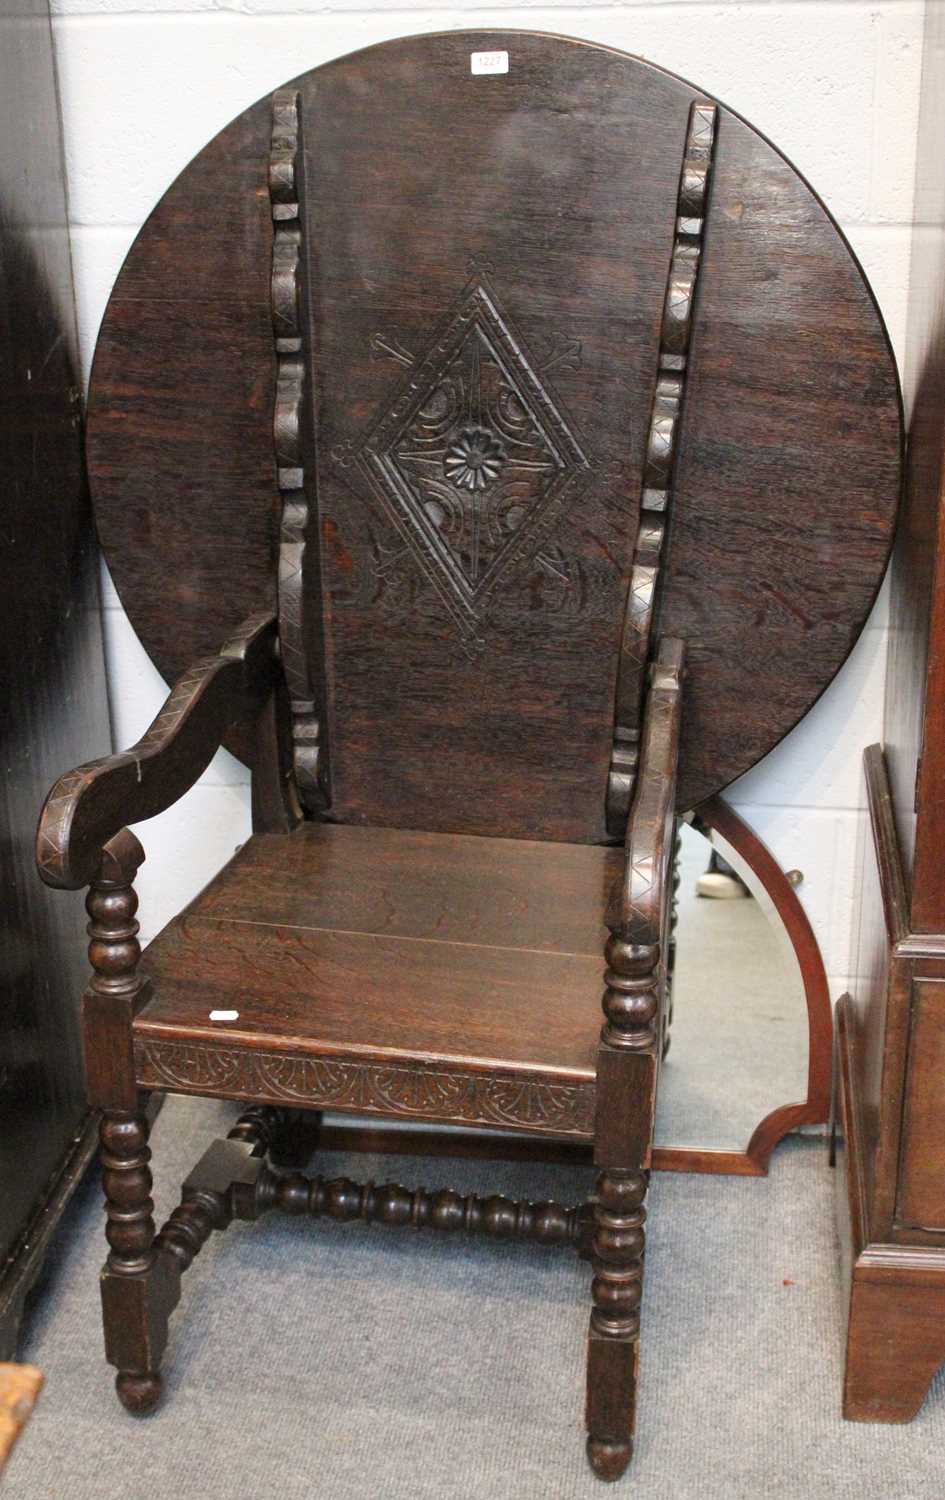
473	460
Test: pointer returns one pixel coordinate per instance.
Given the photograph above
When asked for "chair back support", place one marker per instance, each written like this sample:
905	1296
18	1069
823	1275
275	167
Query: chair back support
485	261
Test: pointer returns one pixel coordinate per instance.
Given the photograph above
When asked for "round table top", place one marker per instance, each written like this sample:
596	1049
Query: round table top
788	470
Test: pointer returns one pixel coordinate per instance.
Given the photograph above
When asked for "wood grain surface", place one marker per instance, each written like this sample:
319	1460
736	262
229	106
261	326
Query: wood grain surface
346	942
539	207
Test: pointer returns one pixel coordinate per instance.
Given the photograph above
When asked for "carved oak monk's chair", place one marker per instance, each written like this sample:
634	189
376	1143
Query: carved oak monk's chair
535	417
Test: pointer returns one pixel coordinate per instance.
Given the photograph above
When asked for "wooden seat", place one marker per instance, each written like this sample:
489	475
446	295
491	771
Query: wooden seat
437	954
531	440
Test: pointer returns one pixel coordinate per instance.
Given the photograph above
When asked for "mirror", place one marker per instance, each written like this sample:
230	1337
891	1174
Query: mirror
739	1036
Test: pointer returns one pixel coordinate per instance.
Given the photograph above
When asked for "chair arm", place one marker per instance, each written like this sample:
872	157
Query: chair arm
640	900
88	806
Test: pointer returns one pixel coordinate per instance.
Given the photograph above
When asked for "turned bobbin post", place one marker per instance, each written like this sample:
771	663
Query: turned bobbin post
133	1287
629	1042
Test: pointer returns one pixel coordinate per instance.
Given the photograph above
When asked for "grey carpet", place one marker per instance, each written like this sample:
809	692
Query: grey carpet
312	1359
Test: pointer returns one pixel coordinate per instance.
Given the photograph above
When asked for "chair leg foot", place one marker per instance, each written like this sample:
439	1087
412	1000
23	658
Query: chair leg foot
139	1394
607	1457
140	1287
613	1339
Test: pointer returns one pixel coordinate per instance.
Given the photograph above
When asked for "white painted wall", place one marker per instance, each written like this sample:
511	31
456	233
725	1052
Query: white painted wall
834	83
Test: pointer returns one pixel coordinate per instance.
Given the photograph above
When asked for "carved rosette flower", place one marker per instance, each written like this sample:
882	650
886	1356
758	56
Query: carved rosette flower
474	458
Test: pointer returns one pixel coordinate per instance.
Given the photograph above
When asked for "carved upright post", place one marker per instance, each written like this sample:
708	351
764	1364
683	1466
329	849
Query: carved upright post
669	395
289	415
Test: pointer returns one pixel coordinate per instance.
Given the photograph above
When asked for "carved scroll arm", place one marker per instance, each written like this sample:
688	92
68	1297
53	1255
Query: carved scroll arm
639	901
88	806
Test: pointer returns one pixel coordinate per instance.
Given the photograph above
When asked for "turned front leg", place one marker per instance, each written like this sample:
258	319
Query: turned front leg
614	1337
138	1289
134	1337
627	1066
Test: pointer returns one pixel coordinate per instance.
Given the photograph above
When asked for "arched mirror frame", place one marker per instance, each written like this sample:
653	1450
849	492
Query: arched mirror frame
719	817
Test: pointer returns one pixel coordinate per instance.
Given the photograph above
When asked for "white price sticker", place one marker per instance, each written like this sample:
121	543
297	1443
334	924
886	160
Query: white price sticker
488	62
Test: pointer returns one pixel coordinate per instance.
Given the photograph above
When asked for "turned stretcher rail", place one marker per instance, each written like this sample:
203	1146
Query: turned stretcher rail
234	1181
388	1203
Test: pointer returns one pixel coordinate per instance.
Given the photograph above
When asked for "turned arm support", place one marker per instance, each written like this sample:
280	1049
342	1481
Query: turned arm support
628	1057
89	806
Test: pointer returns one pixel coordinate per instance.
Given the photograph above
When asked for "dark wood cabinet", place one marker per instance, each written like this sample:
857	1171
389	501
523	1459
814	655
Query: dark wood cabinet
891	1028
54	708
